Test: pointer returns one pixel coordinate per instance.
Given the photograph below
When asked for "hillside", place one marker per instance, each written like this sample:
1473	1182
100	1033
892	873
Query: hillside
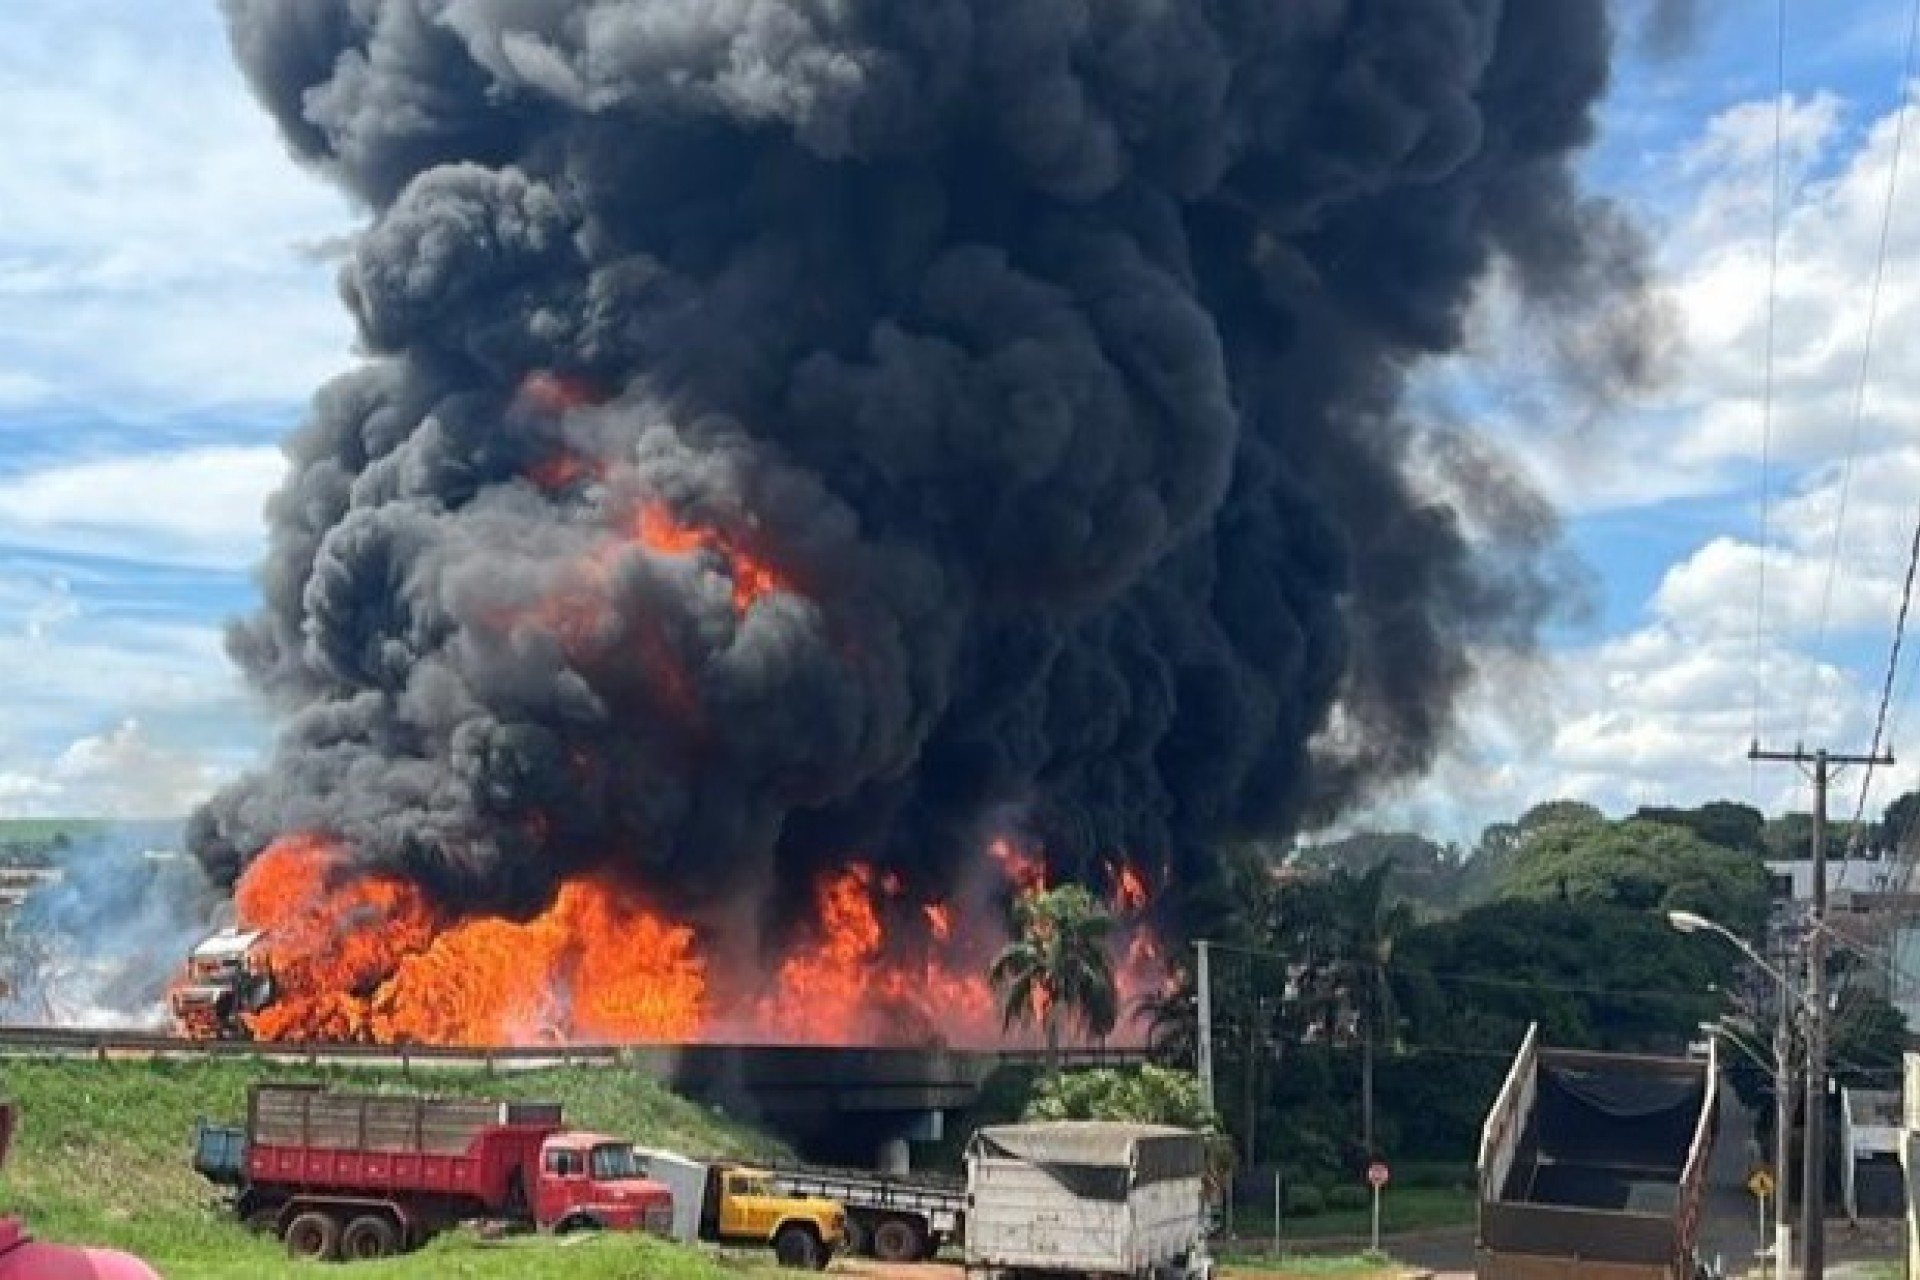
103	1157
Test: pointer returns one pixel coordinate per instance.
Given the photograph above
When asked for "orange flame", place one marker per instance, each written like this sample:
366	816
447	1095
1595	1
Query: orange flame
361	957
1026	872
753	577
563	470
558	393
364	958
1129	888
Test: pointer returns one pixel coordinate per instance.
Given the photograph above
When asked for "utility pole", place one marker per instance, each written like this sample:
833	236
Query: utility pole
1813	1181
1203	1050
1782	1125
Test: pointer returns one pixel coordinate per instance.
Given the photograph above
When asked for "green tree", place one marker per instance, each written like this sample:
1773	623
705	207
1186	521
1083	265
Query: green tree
1643	866
1560	813
1723	822
1869	1038
1242	911
1353	924
1900	822
1145	1095
1057	968
1593	974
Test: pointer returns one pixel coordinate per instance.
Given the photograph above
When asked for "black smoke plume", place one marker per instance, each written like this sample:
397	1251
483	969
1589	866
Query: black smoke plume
1049	352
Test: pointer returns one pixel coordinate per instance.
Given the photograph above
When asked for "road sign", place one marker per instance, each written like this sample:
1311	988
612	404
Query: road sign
1377	1175
1760	1182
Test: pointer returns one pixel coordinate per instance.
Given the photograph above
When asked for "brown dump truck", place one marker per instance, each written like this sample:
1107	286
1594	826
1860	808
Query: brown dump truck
1592	1166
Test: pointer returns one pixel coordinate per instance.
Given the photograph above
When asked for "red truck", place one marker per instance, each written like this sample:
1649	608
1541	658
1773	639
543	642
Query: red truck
354	1175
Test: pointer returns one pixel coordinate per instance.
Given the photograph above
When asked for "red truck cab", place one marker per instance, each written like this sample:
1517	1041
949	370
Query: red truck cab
591	1180
24	1258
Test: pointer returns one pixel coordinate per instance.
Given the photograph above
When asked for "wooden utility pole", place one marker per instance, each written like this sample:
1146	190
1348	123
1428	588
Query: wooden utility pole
1813	1180
1203	1033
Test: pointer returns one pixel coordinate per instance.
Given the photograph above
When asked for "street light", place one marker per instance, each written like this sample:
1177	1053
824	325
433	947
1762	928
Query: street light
1693	922
1782	1067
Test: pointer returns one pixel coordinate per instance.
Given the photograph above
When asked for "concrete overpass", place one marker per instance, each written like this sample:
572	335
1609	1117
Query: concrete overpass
861	1106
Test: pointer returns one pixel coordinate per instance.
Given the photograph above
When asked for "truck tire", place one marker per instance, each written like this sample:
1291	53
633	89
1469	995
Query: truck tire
367	1237
899	1240
797	1246
315	1236
859	1236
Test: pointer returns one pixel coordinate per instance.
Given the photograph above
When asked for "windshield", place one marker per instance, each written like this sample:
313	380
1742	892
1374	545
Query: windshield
613	1160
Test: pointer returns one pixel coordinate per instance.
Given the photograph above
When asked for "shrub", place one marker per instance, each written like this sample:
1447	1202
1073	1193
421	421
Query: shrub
1304	1201
1346	1197
1433	1175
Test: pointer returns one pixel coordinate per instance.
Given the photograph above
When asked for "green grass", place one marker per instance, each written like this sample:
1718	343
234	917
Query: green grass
47	828
103	1157
459	1257
1412	1209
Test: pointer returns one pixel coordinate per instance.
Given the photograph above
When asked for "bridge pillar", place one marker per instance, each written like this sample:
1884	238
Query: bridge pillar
895	1153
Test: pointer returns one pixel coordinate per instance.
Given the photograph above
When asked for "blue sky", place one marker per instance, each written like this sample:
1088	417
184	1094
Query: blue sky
167	305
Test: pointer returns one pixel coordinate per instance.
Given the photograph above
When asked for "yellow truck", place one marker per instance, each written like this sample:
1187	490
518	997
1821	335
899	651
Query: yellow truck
723	1203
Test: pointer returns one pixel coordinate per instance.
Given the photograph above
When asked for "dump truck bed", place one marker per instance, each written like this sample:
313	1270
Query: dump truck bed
1592	1165
379	1144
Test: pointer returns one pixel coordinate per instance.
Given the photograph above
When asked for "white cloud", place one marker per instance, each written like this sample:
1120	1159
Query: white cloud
124	773
199	507
1664	712
149	257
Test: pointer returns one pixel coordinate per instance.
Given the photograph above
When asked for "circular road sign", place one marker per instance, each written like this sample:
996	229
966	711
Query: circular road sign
1377	1175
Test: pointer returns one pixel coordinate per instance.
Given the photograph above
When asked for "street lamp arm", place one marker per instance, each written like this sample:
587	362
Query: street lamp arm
1765	1061
1692	922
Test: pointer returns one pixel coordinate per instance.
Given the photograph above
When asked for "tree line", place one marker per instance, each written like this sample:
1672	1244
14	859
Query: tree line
1368	993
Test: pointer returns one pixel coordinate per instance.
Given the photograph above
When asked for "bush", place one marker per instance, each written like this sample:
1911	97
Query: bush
1346	1197
1433	1175
1304	1201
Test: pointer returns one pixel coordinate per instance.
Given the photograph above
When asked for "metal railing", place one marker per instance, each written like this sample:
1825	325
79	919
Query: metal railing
109	1045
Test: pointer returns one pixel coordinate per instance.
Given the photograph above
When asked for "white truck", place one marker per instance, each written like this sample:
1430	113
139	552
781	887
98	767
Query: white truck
1086	1198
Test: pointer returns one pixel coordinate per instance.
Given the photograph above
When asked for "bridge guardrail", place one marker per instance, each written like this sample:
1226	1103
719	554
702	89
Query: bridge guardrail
106	1044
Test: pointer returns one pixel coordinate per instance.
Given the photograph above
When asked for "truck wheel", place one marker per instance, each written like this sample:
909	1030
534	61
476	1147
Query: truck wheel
859	1238
369	1237
797	1246
315	1236
898	1240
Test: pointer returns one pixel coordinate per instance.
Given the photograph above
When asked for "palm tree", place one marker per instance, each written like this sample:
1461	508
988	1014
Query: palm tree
1057	969
1368	926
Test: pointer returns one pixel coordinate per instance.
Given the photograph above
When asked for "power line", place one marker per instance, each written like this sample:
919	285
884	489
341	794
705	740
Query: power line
1766	393
1866	347
1886	692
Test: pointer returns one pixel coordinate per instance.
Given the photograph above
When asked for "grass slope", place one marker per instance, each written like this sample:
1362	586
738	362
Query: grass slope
103	1157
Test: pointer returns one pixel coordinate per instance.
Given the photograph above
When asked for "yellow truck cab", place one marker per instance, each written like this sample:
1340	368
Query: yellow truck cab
723	1203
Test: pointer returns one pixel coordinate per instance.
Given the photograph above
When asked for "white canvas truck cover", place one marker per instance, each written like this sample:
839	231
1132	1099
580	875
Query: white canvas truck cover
1094	1196
686	1179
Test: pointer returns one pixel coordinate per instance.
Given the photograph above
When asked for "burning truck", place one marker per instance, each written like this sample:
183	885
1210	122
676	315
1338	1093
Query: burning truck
227	979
